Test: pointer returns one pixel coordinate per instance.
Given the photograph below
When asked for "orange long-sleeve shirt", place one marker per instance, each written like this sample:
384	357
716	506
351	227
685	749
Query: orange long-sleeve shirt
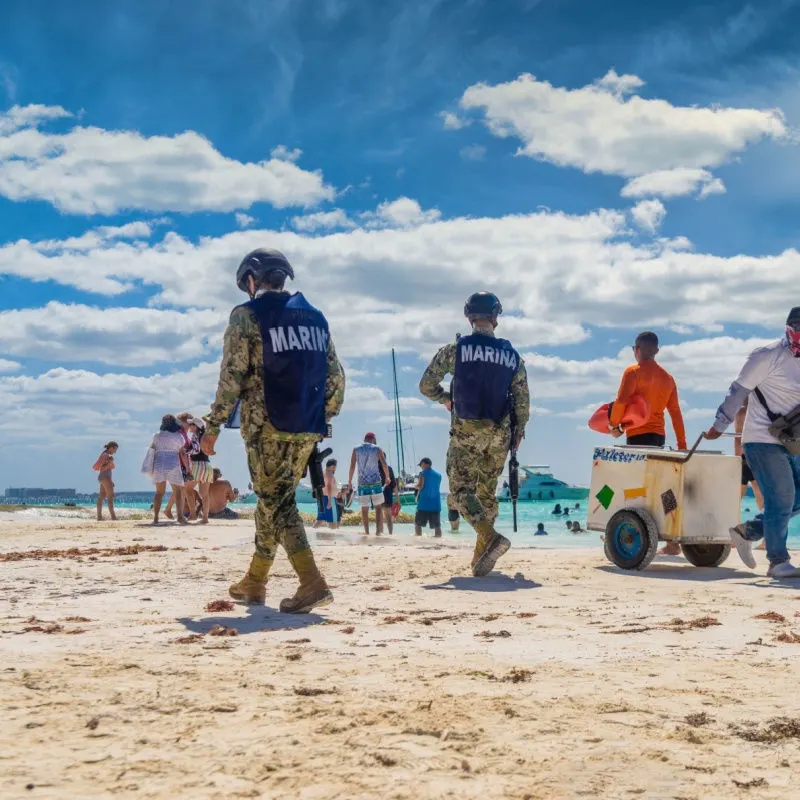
657	386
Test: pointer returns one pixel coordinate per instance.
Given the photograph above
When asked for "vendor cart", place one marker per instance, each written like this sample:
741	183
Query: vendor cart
642	495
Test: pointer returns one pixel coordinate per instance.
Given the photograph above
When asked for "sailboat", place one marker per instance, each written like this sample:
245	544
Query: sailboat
405	481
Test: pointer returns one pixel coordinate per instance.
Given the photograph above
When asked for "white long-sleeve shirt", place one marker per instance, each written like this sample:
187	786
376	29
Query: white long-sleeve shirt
776	372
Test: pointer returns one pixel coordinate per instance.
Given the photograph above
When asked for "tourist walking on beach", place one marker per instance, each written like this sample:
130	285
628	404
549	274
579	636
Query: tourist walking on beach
202	471
104	467
489	387
279	363
429	499
771	376
332	508
368	459
651	381
391	497
163	464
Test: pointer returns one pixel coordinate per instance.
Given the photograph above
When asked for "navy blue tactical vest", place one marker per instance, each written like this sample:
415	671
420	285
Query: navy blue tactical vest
295	344
485	367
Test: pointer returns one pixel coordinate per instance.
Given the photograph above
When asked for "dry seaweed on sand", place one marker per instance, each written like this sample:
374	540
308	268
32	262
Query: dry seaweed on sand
312	691
223	630
220	605
771	616
776	729
190	639
77	552
788	637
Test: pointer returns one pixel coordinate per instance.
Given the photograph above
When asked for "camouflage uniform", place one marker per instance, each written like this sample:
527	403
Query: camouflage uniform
276	459
478	448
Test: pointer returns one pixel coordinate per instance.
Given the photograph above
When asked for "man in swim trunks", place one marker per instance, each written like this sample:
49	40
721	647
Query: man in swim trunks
657	386
220	493
369	458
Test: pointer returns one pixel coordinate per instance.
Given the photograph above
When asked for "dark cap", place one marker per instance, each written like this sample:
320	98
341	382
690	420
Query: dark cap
794	315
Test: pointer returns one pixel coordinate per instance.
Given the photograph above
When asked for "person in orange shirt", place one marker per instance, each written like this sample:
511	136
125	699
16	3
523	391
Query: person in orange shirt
657	386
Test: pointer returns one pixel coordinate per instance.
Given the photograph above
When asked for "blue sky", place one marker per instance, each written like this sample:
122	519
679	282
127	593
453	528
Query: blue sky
643	175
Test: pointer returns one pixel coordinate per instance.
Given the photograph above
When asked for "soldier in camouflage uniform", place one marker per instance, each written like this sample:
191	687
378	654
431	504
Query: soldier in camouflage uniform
489	383
280	366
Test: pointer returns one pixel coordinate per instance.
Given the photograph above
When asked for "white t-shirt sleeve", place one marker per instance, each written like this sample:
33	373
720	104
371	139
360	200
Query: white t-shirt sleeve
757	367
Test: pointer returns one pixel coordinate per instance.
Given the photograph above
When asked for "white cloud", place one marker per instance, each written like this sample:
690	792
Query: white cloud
8	366
135	337
404	287
283	153
410	420
95	171
473	152
598	129
243	220
648	215
674	183
371	398
619	85
322	220
25	116
401	213
452	122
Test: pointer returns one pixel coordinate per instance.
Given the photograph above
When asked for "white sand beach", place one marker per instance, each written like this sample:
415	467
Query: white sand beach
556	677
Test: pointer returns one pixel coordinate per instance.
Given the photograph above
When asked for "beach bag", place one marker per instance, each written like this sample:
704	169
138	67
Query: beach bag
149	458
785	427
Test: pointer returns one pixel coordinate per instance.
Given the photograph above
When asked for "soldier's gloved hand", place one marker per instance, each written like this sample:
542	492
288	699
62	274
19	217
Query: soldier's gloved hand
448	405
207	444
520	437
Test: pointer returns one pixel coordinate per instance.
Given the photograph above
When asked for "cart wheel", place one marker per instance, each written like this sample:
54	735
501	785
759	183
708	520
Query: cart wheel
706	555
631	539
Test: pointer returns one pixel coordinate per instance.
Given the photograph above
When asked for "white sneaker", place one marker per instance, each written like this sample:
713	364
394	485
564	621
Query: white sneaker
783	570
743	547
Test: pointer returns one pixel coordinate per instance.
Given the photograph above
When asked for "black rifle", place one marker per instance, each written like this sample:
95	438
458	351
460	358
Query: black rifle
513	468
314	468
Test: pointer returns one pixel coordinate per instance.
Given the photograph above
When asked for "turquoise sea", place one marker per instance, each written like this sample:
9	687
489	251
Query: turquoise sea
528	515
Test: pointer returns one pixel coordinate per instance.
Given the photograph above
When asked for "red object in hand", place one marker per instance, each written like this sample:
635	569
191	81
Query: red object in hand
395	510
637	412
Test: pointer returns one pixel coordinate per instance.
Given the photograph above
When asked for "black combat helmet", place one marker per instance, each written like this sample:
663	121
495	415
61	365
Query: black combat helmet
261	263
483	304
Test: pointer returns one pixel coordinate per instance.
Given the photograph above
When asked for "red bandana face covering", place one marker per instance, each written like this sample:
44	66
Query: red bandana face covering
793	337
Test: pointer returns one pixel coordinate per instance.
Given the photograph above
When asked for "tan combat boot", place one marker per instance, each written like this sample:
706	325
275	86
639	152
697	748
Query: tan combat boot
313	590
252	589
497	546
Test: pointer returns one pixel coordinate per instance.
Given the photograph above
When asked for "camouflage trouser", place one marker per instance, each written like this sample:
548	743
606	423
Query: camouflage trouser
475	461
276	468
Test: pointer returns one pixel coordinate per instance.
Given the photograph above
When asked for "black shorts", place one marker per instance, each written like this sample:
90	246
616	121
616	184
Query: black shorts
432	518
647	440
747	473
388	496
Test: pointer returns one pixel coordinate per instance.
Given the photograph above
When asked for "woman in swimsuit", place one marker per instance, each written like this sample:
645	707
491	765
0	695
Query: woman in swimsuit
104	467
